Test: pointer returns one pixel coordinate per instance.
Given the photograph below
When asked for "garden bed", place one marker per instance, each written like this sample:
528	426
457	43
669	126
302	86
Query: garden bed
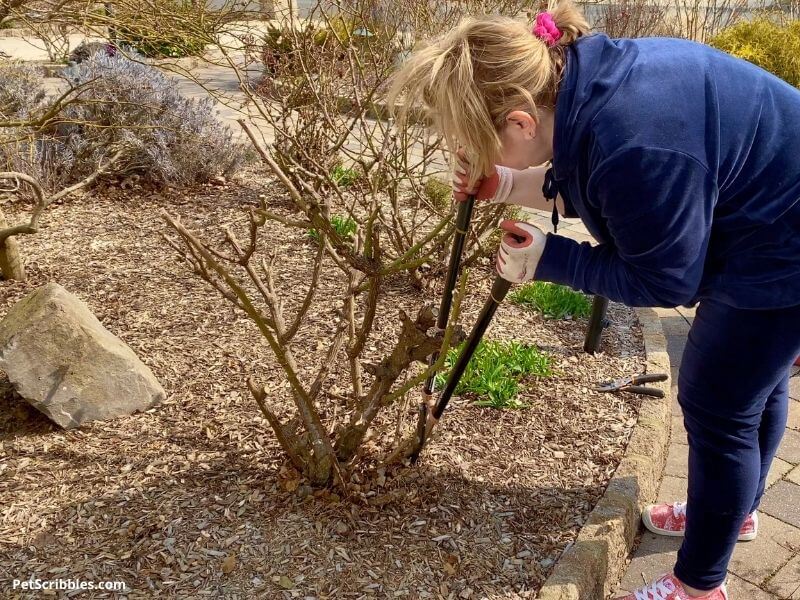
194	499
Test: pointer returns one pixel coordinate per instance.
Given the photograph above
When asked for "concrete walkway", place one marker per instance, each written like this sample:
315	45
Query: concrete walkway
767	568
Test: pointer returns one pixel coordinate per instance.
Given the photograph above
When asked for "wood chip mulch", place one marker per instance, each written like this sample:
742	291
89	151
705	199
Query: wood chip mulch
193	499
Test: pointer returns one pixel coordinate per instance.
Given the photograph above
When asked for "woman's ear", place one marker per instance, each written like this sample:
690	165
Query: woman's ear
522	123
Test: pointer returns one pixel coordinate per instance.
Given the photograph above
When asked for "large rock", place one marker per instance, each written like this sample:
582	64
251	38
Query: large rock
62	360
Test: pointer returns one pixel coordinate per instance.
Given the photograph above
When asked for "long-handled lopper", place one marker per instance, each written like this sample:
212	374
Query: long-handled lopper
463	218
500	288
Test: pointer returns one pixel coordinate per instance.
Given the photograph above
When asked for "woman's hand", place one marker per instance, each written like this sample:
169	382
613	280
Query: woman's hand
494	189
520	250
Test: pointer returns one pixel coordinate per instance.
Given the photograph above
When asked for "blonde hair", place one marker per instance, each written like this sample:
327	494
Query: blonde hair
468	80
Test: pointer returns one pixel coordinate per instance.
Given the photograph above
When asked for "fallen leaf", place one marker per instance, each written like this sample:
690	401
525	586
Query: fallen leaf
341	528
285	582
229	564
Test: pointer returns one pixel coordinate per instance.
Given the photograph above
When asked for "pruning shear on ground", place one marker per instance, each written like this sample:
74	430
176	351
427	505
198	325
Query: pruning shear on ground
634	385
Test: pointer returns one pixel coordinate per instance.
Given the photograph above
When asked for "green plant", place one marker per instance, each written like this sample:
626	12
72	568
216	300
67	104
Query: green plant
352	31
438	192
344	177
168	46
179	28
495	370
344	226
280	51
552	300
769	45
283	47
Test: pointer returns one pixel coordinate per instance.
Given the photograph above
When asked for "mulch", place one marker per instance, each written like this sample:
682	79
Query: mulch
193	498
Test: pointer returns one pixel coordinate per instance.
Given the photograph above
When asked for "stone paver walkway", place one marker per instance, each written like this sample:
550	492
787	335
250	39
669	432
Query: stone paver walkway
767	568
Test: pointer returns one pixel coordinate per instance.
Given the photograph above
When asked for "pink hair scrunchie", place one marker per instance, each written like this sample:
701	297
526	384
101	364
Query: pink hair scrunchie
546	29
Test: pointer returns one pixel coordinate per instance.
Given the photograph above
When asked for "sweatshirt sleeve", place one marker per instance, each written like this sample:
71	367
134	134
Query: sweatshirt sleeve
658	206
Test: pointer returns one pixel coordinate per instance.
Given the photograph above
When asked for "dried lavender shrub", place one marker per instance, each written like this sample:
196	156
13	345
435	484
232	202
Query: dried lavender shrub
123	104
22	97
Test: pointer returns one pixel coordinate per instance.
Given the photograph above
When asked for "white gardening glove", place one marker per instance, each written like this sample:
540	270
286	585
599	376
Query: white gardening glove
494	189
520	250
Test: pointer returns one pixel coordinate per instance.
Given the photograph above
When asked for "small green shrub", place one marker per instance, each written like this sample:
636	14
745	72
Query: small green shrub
350	31
344	177
772	47
186	33
553	301
344	226
167	46
282	49
278	51
495	370
438	192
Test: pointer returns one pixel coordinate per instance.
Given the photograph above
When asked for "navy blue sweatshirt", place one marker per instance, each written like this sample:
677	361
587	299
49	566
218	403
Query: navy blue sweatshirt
684	164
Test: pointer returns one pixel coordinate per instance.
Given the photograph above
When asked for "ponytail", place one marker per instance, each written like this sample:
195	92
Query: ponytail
570	21
468	80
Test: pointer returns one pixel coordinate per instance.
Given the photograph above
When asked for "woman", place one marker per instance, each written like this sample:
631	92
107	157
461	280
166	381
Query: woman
684	164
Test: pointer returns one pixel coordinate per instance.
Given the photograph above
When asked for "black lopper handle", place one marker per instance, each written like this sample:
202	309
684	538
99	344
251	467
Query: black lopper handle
647	391
500	288
463	217
650	377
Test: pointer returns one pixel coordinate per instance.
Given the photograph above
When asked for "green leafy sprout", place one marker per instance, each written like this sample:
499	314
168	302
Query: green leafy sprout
344	226
344	177
551	300
495	371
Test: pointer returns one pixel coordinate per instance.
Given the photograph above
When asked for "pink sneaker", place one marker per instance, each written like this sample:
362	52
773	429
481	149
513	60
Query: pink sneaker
670	519
669	588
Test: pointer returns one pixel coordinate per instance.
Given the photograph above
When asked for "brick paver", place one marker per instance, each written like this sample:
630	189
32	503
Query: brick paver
790	447
783	501
794	411
794	475
786	582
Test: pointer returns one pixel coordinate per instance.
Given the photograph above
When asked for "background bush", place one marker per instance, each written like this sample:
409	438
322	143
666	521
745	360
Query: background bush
21	91
438	192
125	106
22	97
178	28
769	45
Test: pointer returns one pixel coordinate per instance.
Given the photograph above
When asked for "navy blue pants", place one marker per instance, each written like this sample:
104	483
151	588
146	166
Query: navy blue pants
733	389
